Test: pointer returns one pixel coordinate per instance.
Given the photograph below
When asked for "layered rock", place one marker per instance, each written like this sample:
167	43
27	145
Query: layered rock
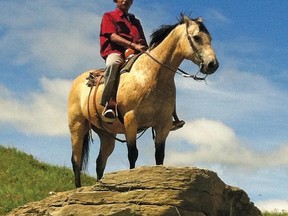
157	190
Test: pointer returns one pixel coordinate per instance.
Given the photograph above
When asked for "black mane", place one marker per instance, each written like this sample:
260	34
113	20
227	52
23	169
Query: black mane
160	34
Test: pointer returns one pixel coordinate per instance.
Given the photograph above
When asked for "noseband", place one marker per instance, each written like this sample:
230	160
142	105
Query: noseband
192	45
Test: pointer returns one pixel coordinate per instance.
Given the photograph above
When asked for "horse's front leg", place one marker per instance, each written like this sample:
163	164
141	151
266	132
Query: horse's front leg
159	152
131	133
160	140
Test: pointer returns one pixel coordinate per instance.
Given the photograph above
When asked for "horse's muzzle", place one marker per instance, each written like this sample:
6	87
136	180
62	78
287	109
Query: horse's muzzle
209	67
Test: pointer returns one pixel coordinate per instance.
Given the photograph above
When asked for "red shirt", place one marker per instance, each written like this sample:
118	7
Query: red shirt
117	22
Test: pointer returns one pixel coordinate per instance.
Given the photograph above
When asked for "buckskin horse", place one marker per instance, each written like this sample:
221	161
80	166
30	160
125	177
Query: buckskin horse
145	97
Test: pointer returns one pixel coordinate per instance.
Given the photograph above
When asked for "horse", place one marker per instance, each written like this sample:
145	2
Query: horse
145	95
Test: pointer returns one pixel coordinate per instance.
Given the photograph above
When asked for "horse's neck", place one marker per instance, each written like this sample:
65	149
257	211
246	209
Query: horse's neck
168	53
158	68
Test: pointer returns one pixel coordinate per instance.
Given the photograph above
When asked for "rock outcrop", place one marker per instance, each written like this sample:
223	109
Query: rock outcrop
155	191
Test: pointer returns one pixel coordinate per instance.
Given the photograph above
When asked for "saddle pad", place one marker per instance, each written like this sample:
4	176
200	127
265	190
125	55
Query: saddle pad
127	65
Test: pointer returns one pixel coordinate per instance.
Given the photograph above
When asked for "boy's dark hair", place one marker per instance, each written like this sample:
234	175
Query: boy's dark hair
116	1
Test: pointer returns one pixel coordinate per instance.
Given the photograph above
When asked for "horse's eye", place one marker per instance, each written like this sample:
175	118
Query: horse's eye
197	39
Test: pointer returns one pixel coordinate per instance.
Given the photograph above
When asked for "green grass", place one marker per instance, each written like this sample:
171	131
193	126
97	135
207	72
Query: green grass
23	179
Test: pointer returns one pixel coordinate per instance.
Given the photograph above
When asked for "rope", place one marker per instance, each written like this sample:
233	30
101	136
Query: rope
125	141
183	73
89	115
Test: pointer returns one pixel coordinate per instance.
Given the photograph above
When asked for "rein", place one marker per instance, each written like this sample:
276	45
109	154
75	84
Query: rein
182	72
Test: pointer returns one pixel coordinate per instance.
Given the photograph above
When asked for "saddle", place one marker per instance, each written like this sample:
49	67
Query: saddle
96	78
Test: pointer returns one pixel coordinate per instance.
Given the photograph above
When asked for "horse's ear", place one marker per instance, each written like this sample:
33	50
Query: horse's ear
186	20
200	19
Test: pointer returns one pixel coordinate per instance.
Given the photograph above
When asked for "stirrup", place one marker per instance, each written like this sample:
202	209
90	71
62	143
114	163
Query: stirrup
109	115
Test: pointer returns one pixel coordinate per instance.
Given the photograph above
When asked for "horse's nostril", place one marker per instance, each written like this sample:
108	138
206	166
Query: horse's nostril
211	64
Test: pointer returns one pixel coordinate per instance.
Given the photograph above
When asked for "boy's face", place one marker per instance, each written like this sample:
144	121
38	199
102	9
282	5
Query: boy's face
124	5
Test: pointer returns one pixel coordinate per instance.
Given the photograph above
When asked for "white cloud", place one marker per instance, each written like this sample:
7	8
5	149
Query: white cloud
244	100
42	113
216	15
280	206
50	37
217	144
56	39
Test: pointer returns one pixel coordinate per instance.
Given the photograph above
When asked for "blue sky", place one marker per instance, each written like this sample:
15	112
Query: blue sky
236	125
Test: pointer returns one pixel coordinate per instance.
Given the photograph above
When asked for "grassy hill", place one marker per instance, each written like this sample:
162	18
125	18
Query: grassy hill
23	179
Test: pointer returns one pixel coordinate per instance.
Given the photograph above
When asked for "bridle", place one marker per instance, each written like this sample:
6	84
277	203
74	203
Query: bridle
194	48
180	71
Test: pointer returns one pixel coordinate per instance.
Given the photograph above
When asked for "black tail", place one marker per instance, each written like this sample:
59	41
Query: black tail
85	150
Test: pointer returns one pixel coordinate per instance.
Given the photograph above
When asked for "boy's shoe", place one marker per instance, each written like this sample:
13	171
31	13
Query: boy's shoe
177	125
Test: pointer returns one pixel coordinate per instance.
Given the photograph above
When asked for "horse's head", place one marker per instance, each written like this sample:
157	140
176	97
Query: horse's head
197	46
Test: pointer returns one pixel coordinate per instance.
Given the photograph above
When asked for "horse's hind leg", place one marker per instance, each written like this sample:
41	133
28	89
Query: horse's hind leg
107	144
80	147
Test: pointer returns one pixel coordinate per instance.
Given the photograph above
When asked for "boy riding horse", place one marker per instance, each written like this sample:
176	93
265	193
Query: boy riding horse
119	31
